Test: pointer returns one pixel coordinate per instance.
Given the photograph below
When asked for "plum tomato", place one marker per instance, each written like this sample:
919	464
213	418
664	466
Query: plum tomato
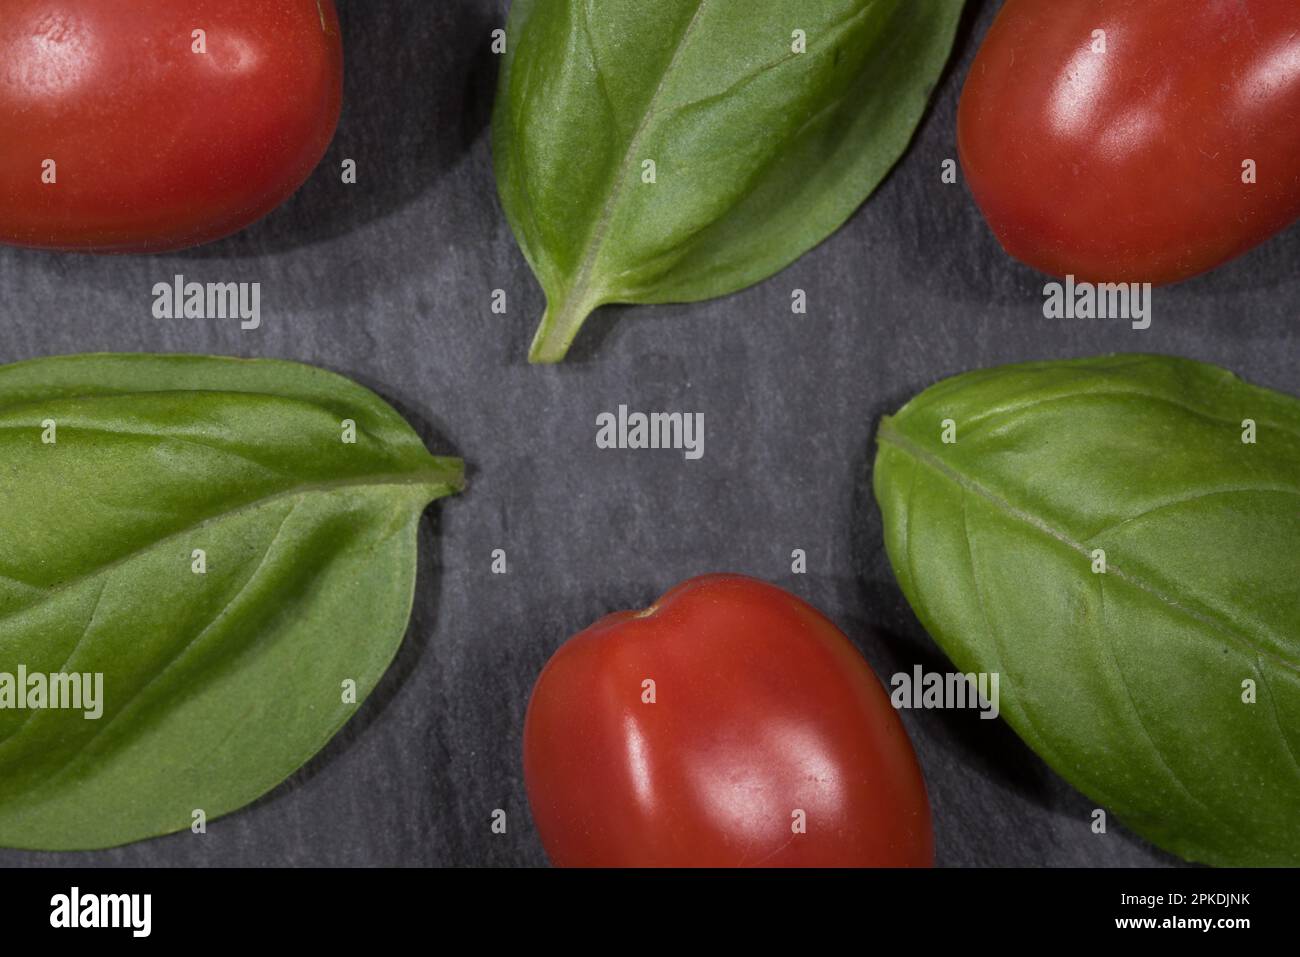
730	724
149	125
1127	141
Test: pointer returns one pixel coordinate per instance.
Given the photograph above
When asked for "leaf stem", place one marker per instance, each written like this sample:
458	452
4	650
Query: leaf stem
559	327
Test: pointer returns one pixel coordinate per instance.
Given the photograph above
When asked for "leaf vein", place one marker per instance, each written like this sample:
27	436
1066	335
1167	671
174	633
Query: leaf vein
1119	394
61	771
1282	730
90	623
993	632
1104	637
905	445
1188	499
431	478
162	437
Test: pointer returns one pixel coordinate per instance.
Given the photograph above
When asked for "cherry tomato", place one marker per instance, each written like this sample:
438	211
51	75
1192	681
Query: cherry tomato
1116	139
147	125
730	724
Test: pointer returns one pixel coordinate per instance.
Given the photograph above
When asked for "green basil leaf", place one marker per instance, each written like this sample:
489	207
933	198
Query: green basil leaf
222	672
760	152
1132	683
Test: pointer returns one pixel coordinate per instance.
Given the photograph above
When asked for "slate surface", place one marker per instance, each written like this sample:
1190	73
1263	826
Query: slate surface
389	282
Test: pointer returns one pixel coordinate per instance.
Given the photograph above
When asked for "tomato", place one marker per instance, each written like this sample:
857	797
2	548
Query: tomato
1120	156
119	137
730	724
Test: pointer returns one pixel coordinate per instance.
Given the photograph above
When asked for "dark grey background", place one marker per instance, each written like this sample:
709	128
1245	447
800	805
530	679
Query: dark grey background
389	282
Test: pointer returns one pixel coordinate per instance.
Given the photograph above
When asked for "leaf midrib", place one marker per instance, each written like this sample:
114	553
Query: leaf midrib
1107	394
433	479
891	436
599	231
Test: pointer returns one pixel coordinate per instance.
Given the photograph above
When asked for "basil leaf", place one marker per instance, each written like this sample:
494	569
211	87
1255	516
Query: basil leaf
1129	683
216	685
760	152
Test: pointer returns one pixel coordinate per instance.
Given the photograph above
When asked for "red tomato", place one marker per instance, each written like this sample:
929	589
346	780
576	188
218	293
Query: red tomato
1127	165
763	715
155	146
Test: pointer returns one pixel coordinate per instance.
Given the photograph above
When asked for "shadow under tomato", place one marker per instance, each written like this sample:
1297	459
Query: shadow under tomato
419	82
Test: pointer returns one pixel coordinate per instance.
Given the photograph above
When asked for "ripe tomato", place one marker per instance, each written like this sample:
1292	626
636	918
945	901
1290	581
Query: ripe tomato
1119	156
707	729
119	137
